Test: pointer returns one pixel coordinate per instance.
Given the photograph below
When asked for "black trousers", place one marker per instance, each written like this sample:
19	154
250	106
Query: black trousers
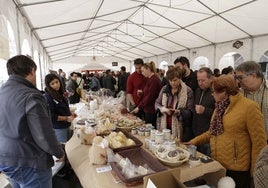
150	118
241	178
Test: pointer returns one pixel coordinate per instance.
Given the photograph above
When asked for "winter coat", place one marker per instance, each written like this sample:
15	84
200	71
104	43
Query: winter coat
244	136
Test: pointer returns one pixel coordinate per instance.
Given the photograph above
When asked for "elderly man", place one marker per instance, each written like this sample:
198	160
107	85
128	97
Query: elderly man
253	84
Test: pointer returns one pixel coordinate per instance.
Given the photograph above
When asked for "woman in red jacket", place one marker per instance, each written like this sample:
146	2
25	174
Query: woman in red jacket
150	93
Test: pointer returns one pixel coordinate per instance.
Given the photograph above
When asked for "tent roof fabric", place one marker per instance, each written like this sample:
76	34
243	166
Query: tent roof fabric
132	29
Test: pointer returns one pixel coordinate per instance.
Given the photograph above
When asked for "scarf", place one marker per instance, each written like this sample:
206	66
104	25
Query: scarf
216	126
176	127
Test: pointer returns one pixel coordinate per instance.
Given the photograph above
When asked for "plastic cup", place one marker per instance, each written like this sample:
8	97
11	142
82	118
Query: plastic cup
192	150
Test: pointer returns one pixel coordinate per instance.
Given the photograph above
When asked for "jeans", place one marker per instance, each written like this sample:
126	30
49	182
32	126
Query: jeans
62	134
26	177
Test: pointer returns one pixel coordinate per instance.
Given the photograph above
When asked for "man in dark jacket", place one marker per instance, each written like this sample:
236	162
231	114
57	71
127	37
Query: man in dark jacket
27	140
95	82
72	86
109	82
204	106
122	79
189	77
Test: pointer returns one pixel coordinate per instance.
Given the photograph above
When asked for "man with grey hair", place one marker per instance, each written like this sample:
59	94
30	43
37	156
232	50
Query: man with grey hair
254	86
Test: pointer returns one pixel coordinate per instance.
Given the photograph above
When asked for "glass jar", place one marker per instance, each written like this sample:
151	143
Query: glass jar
134	130
147	132
167	133
141	131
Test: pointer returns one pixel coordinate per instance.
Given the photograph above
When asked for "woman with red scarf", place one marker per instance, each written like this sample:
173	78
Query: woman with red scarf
176	104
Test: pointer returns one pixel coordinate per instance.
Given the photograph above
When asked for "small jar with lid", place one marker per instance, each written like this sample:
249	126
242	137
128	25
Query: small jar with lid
147	132
159	137
147	143
141	131
152	134
134	130
167	133
151	143
155	147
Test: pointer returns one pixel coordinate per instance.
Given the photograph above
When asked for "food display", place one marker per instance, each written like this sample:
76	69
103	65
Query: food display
87	135
130	170
97	153
133	164
122	140
118	140
104	127
173	157
162	152
176	155
108	120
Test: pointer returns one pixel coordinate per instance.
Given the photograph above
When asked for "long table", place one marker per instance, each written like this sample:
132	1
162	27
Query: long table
77	154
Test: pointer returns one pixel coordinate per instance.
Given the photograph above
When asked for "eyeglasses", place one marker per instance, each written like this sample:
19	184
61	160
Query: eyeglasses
240	77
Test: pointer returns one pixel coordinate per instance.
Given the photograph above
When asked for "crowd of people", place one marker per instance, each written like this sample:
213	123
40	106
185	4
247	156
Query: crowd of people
225	115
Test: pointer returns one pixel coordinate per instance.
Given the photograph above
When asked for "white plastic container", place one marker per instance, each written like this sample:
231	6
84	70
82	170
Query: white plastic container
152	134
159	137
167	133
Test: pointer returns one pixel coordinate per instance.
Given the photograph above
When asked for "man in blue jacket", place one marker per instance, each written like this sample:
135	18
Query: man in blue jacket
27	139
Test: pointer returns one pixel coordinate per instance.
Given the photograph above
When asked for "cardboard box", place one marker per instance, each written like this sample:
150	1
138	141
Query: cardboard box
175	178
164	179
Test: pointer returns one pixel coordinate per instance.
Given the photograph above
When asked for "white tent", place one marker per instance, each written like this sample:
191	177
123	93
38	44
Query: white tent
91	68
129	29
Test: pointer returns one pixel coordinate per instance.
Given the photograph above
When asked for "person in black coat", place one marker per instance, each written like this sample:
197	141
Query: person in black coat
204	106
72	86
189	77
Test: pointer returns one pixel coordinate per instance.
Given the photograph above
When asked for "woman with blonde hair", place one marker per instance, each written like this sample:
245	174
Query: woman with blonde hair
236	134
176	104
150	93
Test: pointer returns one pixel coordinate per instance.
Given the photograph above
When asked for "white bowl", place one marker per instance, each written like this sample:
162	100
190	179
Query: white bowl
162	152
177	162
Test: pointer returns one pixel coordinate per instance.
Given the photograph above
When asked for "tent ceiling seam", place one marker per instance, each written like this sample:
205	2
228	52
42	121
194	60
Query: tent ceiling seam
38	3
219	14
85	19
90	24
182	27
